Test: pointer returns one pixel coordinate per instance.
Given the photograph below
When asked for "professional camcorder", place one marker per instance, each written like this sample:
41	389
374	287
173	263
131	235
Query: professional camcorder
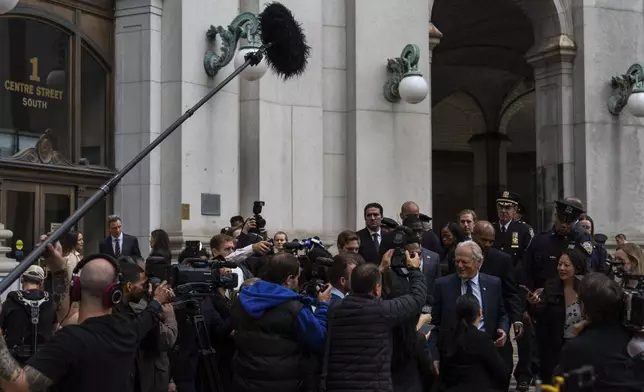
194	278
633	306
314	285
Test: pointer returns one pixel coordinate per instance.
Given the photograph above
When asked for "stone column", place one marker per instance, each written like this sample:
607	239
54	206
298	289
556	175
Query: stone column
552	60
490	152
388	144
282	137
6	264
137	199
609	148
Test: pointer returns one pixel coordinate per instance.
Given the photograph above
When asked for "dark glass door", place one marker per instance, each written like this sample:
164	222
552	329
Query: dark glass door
19	214
29	210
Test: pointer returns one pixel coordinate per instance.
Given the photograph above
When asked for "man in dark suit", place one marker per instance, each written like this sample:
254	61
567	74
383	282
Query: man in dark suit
468	280
499	264
119	244
371	235
430	239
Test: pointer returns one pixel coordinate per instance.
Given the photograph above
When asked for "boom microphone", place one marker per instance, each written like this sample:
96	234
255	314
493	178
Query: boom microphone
287	53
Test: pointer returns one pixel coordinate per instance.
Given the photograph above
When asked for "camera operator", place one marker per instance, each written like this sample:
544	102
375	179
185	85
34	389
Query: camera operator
95	355
361	326
22	336
150	371
603	341
278	335
223	245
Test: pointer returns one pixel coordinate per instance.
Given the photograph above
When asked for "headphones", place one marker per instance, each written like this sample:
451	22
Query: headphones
112	294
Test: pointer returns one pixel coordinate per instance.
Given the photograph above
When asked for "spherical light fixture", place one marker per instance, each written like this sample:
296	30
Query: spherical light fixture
635	104
56	78
413	88
252	72
7	5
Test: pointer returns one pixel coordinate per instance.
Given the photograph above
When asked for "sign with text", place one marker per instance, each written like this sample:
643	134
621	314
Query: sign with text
34	95
34	82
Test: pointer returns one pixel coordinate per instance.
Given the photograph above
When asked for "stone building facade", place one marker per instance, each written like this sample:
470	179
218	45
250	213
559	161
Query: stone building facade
518	92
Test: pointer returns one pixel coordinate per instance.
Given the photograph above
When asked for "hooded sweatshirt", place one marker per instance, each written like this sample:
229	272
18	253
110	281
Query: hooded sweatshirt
310	327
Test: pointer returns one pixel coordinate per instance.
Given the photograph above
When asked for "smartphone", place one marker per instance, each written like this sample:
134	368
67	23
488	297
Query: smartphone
425	329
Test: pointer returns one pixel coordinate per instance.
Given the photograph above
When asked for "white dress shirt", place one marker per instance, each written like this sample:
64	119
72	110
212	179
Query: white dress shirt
337	292
120	240
476	290
371	233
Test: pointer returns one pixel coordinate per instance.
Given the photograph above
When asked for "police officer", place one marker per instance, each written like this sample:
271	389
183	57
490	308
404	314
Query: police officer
540	260
512	237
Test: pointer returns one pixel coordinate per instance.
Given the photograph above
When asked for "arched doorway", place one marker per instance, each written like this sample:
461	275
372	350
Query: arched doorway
491	51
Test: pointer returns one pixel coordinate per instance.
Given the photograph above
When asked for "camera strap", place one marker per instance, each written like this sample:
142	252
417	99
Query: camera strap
34	313
327	346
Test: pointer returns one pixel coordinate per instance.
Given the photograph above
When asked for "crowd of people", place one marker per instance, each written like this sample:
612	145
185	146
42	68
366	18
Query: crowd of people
398	308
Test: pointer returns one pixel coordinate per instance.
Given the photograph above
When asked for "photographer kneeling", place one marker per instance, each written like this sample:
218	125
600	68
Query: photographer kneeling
361	327
277	335
602	343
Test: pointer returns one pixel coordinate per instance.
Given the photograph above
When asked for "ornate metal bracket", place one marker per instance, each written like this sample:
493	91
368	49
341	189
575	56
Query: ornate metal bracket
398	68
244	26
624	85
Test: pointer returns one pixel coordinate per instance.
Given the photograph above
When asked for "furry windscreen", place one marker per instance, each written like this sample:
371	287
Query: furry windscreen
286	49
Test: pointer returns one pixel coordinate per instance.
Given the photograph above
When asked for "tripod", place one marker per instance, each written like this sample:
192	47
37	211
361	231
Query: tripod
208	372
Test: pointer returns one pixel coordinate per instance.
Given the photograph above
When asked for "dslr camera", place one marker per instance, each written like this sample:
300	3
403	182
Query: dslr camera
314	285
260	222
402	236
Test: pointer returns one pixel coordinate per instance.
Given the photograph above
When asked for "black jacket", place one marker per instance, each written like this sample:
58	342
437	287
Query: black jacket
268	358
368	250
475	365
603	347
129	247
360	348
514	241
499	264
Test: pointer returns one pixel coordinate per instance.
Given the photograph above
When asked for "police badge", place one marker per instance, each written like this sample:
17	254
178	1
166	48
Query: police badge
515	239
588	247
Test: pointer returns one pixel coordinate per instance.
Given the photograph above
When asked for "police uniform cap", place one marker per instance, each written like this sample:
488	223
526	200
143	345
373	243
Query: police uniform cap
569	207
388	223
508	199
600	238
424	218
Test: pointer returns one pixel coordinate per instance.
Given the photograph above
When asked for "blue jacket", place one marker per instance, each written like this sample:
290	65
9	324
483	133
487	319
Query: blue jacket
310	327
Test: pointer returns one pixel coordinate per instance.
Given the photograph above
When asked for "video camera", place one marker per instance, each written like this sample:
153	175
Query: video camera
402	236
633	302
194	278
314	285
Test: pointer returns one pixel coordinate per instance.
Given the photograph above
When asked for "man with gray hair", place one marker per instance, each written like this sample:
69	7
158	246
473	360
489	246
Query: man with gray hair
119	244
468	280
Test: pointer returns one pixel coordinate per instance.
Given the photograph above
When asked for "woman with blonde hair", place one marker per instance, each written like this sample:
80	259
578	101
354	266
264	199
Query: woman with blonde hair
632	257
